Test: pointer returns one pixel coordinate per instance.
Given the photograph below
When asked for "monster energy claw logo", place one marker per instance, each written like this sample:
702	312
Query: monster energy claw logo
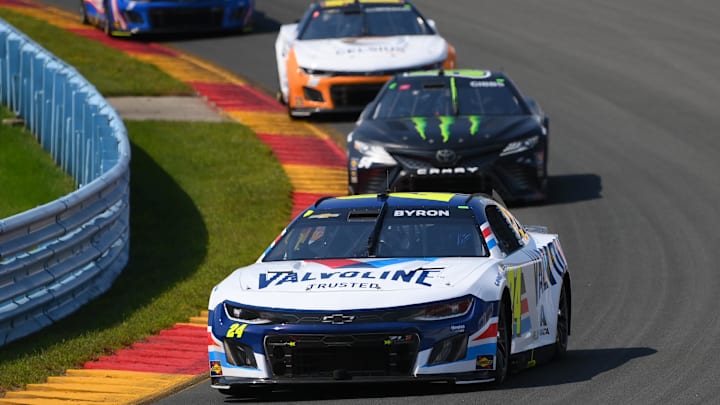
421	125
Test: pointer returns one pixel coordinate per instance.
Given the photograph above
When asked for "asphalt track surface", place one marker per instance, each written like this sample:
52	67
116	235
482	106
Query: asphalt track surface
632	92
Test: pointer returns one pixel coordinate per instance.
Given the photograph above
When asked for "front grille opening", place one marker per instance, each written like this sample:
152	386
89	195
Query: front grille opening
353	95
341	356
184	18
239	354
449	350
133	17
455	184
238	14
518	178
313	95
376	180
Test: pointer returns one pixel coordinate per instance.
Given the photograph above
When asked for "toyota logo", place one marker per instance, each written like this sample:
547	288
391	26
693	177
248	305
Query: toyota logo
446	156
338	319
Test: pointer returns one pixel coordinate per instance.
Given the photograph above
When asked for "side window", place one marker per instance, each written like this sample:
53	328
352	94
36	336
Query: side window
507	238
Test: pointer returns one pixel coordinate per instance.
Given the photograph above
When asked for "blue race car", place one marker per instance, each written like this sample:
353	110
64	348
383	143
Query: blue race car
392	287
127	17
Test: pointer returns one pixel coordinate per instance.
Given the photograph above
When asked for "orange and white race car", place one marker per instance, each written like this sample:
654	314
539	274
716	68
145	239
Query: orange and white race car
341	52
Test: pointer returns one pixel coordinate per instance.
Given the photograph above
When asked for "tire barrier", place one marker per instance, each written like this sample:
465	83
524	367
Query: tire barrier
57	257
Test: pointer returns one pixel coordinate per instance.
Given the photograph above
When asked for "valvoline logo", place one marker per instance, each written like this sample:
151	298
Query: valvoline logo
350	278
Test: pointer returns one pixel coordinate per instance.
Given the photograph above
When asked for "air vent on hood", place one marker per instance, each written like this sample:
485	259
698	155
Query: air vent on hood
363	215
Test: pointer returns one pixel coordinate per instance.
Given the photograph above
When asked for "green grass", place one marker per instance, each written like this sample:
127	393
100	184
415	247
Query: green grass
111	71
28	175
205	198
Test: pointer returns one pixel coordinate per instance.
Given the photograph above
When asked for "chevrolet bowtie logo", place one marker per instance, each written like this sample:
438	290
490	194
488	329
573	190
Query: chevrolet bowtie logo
338	319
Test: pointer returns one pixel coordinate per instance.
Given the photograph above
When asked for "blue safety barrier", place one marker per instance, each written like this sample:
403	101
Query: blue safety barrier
57	257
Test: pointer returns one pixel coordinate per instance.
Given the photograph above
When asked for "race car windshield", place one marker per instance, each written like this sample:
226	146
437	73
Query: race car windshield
448	96
364	22
403	233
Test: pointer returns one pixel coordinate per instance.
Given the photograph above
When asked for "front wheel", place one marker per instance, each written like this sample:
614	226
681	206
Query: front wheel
502	353
108	27
83	13
563	323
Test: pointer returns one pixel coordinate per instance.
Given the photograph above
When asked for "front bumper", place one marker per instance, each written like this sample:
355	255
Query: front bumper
517	178
310	94
156	17
454	350
481	376
339	92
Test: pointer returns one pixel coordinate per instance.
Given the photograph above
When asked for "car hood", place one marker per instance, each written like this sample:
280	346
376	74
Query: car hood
450	131
354	284
371	54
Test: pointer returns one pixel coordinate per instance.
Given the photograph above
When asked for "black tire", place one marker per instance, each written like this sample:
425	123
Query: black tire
563	323
107	28
246	392
232	391
279	97
504	330
83	13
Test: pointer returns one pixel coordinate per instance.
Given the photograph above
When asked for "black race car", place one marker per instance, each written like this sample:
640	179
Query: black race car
458	131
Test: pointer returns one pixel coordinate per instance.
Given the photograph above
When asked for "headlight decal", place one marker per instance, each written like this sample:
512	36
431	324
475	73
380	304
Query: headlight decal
444	310
372	154
520	146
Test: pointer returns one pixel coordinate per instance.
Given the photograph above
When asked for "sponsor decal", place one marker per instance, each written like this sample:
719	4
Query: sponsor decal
445	123
370	49
457	328
346	279
487	83
544	330
215	368
421	213
552	261
433	171
485	362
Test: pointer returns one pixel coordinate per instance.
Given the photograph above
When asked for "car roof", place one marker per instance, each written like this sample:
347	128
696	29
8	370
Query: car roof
404	199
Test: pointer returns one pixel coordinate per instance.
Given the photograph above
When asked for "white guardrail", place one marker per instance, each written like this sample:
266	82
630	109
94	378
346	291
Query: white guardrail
56	257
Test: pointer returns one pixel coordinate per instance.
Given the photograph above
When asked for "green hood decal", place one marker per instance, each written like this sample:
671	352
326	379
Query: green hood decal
421	124
445	123
474	124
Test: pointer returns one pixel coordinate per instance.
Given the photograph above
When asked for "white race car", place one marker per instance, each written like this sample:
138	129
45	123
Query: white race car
392	287
341	52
